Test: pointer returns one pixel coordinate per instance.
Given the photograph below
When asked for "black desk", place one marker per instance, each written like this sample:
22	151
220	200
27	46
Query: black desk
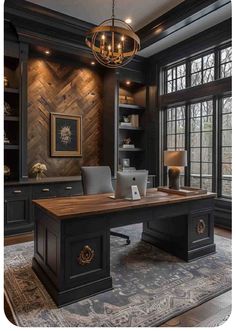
72	240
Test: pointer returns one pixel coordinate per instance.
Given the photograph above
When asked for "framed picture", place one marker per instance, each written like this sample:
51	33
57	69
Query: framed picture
66	135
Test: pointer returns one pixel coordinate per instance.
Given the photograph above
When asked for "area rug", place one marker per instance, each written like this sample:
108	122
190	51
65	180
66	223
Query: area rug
150	286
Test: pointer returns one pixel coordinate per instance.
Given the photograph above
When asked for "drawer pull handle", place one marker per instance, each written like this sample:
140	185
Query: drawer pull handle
86	255
201	226
45	190
68	187
17	191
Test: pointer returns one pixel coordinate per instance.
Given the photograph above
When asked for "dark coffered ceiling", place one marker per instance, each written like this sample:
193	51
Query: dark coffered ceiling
142	12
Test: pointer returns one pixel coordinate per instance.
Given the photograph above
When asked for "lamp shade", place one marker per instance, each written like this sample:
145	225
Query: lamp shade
175	158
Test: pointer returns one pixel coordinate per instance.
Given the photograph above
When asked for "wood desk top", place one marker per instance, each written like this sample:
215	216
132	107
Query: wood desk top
77	206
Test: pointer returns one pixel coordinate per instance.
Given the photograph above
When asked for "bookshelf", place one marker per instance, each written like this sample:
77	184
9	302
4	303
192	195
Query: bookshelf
131	124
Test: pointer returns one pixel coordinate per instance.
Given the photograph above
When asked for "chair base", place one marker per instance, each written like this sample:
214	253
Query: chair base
120	235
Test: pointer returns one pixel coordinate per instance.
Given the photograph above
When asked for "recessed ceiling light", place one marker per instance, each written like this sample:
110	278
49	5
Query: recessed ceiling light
93	63
128	20
47	52
128	82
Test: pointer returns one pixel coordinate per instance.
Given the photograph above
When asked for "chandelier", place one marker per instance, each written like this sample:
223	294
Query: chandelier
113	42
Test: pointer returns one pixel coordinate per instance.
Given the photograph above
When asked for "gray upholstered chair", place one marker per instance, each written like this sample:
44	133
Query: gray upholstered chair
97	180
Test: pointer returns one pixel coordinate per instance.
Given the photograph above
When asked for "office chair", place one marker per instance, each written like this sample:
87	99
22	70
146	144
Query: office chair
97	180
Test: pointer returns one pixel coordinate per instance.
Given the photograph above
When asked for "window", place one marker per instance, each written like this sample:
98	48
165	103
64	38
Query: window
198	70
203	70
226	146
176	78
226	62
201	134
176	128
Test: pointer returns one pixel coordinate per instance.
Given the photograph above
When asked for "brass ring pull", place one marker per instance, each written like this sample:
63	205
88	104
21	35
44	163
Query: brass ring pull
201	226
86	255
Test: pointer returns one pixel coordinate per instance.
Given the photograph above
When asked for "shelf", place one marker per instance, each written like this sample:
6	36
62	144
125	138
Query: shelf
131	149
129	106
13	147
11	90
11	118
130	128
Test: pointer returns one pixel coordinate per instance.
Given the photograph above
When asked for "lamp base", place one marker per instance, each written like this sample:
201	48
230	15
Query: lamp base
174	179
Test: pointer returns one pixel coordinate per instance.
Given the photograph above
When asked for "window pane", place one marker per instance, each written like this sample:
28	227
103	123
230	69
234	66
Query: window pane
207	108
195	140
207	139
226	55
226	121
169	74
206	154
207	184
180	140
206	169
195	168
181	70
195	124
196	79
226	169
208	61
226	105
226	188
196	110
195	181
170	114
180	113
208	75
195	154
227	154
227	138
169	87
180	126
170	127
226	70
170	141
196	65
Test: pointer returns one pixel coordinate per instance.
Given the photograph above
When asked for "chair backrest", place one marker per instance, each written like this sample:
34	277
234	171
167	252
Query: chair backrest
96	180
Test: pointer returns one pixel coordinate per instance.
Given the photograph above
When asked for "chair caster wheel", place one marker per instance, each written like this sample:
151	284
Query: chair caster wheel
127	242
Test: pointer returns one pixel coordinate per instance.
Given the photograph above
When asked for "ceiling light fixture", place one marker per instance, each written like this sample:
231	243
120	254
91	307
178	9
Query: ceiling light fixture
113	43
47	52
128	82
128	20
93	63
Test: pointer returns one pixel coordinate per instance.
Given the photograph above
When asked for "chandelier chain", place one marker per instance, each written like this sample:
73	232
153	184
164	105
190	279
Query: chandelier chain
113	8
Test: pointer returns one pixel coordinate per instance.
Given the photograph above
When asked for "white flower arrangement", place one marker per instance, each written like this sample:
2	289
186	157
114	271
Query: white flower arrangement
39	169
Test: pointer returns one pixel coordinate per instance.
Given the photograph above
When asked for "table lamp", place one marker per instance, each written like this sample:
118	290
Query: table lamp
174	160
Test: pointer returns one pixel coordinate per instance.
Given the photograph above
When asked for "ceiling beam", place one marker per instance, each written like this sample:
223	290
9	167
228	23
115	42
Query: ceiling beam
177	18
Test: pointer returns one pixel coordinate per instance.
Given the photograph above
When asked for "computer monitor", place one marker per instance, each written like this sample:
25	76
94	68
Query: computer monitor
126	179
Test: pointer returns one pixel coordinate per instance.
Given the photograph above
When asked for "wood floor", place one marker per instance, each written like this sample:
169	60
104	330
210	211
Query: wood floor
206	314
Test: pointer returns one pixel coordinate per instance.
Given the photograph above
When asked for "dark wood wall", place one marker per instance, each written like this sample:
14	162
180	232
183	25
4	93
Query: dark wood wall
68	89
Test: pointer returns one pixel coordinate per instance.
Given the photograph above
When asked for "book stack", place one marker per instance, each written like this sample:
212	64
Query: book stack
125	124
124	99
134	120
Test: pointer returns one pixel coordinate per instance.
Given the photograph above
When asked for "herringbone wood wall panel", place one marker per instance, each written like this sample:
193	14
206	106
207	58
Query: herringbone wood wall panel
54	87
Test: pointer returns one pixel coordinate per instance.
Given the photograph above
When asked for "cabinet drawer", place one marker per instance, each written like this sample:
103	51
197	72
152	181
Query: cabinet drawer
16	191
200	229
68	188
43	191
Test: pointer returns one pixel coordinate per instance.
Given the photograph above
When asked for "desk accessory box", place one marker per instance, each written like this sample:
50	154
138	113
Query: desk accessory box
184	190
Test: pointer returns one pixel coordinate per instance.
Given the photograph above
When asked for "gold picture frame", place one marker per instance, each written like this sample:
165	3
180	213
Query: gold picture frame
66	135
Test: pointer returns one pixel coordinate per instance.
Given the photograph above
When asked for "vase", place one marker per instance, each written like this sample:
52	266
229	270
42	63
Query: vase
39	175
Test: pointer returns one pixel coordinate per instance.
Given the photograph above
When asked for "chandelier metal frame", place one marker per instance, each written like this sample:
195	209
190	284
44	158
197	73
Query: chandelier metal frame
113	56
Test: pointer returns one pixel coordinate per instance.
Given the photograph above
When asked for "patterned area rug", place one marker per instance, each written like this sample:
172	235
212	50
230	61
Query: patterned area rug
150	286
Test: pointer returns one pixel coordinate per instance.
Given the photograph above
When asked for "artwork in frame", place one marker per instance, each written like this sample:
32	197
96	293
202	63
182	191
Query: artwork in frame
66	135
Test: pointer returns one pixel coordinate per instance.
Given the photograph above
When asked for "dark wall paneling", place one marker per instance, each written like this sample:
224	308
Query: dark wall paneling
55	87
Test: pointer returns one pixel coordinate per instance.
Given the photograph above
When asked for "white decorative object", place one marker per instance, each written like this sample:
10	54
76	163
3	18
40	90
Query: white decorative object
39	169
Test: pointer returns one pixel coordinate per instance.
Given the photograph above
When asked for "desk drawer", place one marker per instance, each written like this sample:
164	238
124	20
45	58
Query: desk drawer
200	229
130	216
68	188
43	191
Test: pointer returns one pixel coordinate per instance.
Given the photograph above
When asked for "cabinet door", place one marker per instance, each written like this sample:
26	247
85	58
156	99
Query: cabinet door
17	216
